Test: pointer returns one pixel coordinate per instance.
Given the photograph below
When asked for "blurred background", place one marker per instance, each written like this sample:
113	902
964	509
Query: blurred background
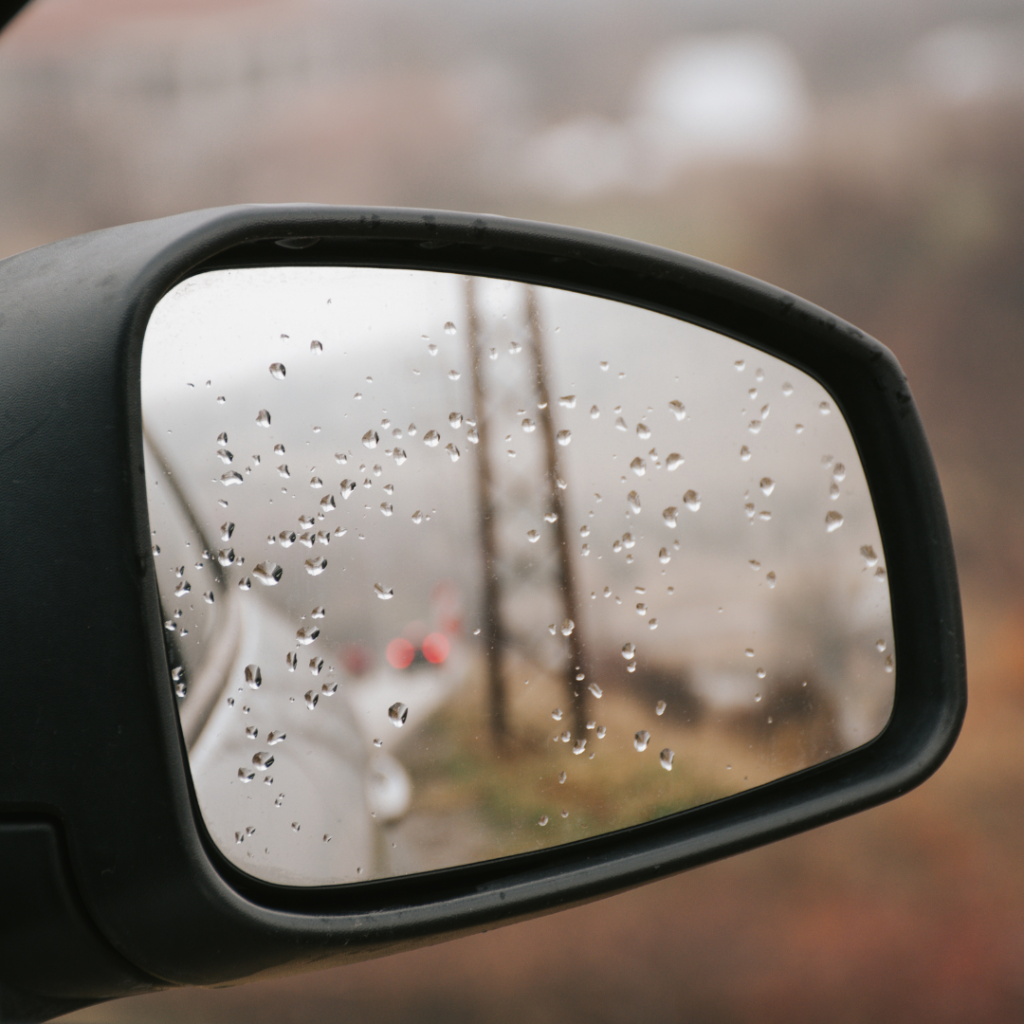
869	157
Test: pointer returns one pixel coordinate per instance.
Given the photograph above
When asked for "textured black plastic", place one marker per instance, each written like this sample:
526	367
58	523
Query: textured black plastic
43	926
92	738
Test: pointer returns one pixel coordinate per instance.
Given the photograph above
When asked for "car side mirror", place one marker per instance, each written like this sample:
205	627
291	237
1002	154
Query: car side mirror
408	572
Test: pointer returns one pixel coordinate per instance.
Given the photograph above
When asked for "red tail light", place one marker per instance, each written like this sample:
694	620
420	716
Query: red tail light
435	648
400	653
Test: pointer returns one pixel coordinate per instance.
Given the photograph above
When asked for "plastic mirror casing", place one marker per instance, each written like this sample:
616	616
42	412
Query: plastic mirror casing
109	883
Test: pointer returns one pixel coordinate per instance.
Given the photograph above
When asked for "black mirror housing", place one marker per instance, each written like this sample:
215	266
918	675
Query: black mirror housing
110	883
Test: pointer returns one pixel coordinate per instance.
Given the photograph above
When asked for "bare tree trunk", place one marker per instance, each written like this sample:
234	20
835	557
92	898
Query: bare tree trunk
567	584
491	629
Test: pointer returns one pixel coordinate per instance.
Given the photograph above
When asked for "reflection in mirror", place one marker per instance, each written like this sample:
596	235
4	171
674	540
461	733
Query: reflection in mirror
456	568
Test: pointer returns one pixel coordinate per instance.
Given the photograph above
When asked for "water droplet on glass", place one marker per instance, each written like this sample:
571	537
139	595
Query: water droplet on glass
833	520
454	375
251	732
286	538
563	437
557	714
231	478
370	439
767	485
315	566
755	426
888	663
542	820
268	573
771	580
532	536
596	690
638	466
567	627
628	651
431	438
879	646
246	775
833	491
691	499
311	698
754	564
263	760
669	515
633	500
449	328
641	609
306	635
224	455
749	509
880	573
577	748
745	454
674	461
277	371
455	419
386	509
384	593
182	588
453	452
867	552
643	431
283	470
398	713
665	758
627	540
641	739
263	418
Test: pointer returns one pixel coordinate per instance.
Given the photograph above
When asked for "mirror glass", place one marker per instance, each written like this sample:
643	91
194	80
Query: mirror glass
454	568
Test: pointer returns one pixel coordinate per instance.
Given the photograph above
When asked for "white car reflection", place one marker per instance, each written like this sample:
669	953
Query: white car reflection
295	760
